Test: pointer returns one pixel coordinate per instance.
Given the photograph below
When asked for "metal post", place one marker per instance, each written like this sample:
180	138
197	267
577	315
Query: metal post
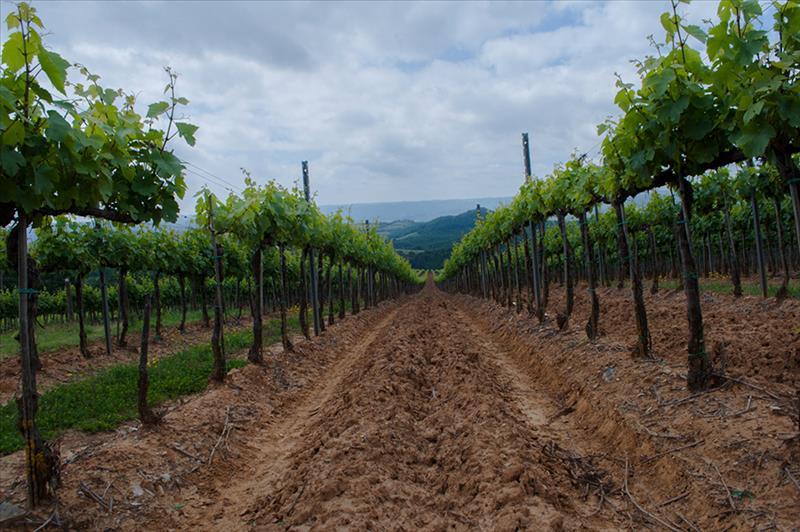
526	155
482	261
313	269
370	276
537	289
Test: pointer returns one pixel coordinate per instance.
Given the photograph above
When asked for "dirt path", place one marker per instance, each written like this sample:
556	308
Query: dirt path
441	412
421	424
223	499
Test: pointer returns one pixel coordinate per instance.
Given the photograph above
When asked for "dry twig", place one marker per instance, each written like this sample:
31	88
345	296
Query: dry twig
86	490
655	518
225	428
184	452
47	522
791	477
670	451
674	499
691	525
750	385
727	490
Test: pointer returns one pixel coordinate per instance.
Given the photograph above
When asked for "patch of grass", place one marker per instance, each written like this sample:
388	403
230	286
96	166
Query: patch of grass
103	401
55	336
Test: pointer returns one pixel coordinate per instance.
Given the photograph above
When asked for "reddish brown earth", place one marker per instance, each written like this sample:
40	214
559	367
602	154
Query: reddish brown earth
446	412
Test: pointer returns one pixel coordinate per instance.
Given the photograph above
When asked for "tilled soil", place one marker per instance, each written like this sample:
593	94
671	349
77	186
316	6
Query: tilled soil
446	412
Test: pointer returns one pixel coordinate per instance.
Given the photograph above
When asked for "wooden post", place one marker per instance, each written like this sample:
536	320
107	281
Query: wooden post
287	344
106	320
526	159
536	280
28	401
370	277
482	262
644	341
217	335
146	415
313	271
762	271
68	293
261	280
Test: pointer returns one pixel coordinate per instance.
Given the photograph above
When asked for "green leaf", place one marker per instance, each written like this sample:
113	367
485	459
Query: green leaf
55	67
12	20
187	131
789	110
668	23
659	81
754	138
105	186
40	91
156	109
676	108
11	161
14	134
143	187
7	97
696	32
12	52
108	96
43	180
752	111
57	128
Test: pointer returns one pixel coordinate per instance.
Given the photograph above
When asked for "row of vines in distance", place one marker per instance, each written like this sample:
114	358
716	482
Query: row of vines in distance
75	148
688	122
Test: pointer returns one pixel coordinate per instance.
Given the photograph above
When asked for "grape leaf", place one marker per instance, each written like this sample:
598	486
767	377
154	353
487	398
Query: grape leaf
55	67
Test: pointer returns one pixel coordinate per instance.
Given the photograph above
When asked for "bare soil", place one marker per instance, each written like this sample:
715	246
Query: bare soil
446	412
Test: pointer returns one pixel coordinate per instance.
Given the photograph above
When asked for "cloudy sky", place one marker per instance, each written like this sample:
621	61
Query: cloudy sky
388	101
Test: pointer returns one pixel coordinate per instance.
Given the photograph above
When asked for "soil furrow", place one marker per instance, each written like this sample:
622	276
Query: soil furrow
437	412
419	428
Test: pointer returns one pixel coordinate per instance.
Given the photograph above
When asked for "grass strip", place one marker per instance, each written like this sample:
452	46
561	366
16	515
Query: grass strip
58	335
105	400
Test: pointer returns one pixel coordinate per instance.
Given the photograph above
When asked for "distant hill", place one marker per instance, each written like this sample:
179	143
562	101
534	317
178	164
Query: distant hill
427	244
415	211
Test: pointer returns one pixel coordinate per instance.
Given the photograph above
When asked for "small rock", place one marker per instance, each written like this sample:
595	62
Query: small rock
609	373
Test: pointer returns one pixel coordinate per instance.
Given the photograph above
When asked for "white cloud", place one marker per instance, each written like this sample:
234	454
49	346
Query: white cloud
388	101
